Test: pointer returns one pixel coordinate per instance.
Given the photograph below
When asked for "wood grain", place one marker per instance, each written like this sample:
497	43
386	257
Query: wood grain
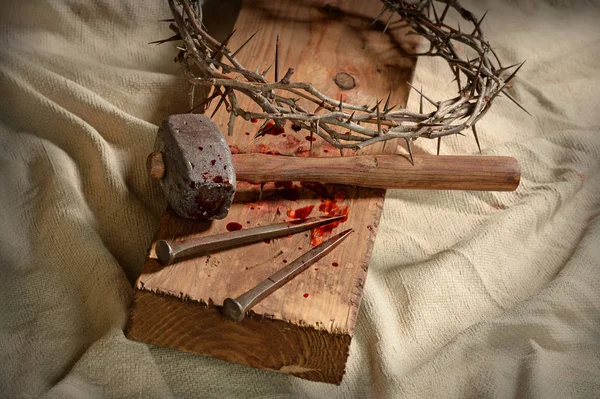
305	327
429	172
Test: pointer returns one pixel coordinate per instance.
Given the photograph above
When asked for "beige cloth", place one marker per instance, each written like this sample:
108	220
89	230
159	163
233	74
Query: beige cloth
468	294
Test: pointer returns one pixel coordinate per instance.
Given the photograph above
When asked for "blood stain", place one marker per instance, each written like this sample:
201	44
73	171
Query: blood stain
317	188
316	268
300	213
267	241
309	138
233	226
247	133
252	207
218	179
305	295
213	162
325	150
300	248
328	206
248	222
284	261
334	264
253	120
272	129
200	148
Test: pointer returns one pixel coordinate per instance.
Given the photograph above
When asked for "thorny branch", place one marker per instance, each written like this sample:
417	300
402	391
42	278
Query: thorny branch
480	80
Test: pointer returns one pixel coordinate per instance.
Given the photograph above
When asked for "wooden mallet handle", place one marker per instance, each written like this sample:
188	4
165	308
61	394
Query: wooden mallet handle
430	172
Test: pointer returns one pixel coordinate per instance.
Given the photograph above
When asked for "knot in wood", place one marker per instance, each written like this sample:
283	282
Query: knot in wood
344	81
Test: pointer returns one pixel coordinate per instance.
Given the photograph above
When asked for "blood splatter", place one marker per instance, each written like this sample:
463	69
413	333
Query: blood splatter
300	213
287	190
272	129
309	138
233	226
317	234
305	295
213	162
335	264
253	120
328	206
317	188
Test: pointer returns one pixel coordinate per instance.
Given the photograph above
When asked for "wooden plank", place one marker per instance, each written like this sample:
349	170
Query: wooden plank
304	328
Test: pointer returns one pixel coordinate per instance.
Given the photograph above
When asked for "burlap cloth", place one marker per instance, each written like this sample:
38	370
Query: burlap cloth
468	294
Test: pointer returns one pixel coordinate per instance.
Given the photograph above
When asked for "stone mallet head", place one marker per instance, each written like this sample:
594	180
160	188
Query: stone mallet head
193	163
198	172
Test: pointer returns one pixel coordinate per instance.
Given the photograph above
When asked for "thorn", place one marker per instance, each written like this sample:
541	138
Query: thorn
277	58
257	71
511	66
320	107
410	151
458	24
379	131
516	102
476	138
267	70
445	10
244	44
388	22
437	19
222	46
438	144
478	72
376	105
341	110
479	23
421	102
351	116
170	39
220	102
205	101
383	10
512	75
387	102
426	98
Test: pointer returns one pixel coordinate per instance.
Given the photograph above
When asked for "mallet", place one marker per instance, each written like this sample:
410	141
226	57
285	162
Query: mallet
198	172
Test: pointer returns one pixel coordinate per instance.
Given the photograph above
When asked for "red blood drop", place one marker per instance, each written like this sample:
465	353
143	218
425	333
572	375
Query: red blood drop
213	162
316	268
248	222
325	150
305	295
233	226
334	264
252	207
247	133
300	213
253	120
300	248
308	138
200	148
267	241
285	261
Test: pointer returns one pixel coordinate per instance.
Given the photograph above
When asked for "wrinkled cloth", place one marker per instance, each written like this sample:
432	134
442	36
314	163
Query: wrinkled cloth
469	294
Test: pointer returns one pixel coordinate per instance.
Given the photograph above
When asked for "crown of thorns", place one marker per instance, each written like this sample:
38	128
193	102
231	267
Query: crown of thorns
480	80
